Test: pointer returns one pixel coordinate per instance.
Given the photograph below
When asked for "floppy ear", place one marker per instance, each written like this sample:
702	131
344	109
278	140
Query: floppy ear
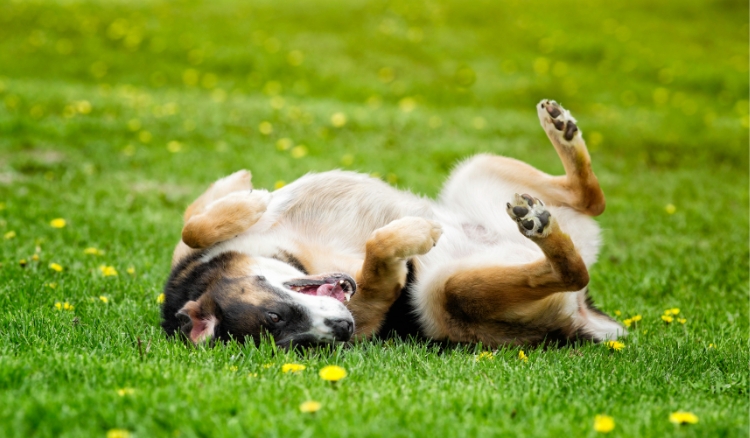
202	322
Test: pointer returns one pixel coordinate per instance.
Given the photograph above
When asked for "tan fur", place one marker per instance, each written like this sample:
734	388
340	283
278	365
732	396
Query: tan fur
222	220
220	213
471	297
235	182
383	272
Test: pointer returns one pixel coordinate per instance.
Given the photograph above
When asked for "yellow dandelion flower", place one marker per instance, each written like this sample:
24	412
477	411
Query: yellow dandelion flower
52	285
22	262
347	159
310	407
338	120
668	319
407	104
103	299
618	313
668	312
130	270
522	356
636	318
118	433
670	208
58	305
134	125
711	346
292	367
681	320
35	257
279	184
9	235
265	128
174	146
284	144
485	355
298	151
604	423
108	271
680	417
67	306
160	299
232	368
58	223
122	392
628	322
332	373
615	345
675	311
55	267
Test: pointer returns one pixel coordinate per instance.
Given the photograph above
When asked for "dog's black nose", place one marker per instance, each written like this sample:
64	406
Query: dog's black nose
342	328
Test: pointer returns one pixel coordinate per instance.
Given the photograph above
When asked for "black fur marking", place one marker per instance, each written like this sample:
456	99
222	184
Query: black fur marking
401	320
188	281
590	305
291	260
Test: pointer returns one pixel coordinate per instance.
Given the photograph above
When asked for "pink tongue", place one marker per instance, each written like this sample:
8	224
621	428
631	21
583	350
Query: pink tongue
331	290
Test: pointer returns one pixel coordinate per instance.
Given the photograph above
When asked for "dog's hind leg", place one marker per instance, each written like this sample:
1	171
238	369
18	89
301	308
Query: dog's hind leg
578	188
383	273
585	193
495	304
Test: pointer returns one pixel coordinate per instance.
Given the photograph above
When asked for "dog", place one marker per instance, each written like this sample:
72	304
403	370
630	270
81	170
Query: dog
341	255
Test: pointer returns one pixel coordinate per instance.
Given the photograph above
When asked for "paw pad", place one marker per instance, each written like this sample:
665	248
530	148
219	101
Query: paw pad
551	112
532	217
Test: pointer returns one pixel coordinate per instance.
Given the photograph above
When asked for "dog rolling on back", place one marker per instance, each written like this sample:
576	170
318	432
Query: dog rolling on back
339	254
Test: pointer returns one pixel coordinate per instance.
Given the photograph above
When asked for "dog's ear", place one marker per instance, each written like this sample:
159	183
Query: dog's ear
200	319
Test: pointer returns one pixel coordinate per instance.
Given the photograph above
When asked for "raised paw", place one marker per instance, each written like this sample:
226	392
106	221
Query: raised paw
405	237
532	217
556	120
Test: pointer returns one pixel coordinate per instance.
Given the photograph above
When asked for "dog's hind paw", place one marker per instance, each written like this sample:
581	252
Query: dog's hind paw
557	121
532	217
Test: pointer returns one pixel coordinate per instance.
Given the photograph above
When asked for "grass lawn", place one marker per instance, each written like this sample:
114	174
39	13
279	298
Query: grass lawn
114	115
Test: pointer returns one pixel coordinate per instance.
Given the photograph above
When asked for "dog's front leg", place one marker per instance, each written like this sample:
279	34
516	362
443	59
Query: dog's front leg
383	272
221	220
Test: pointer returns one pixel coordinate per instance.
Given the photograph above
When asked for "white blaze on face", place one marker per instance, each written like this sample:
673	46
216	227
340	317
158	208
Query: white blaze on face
319	308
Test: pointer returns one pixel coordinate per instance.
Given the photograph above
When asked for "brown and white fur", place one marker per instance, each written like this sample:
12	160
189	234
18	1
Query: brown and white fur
501	257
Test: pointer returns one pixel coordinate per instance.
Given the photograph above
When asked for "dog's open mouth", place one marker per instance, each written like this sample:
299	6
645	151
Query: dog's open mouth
338	286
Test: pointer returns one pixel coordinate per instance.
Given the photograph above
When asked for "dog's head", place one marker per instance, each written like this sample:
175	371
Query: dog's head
235	296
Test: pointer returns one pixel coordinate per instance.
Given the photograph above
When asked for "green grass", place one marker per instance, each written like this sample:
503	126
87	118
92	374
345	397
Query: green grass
92	93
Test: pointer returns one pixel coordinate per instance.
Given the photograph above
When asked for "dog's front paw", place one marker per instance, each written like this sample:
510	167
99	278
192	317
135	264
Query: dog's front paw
406	237
557	121
532	217
245	207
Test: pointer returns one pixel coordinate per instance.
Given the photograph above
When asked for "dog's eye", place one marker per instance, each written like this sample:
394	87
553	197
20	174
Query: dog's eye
274	317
